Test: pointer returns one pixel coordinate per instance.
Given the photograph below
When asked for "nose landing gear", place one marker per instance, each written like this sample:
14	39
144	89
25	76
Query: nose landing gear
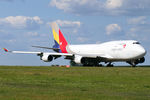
133	63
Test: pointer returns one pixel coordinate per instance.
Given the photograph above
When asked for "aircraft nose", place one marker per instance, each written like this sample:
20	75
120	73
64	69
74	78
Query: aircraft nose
142	51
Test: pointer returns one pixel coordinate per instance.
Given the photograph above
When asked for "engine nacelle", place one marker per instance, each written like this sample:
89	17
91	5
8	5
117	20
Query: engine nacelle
47	58
142	60
77	59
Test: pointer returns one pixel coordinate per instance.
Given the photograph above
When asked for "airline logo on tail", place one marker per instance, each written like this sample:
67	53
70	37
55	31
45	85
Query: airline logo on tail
59	39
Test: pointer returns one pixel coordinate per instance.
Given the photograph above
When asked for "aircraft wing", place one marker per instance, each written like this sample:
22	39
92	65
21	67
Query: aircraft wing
30	52
61	54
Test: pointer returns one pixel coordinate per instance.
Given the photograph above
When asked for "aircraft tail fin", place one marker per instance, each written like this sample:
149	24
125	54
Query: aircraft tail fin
59	39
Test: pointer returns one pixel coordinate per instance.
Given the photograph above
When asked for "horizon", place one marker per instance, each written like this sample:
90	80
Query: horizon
24	23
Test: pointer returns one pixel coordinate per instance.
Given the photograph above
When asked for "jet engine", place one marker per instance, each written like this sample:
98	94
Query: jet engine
77	59
47	58
86	61
141	60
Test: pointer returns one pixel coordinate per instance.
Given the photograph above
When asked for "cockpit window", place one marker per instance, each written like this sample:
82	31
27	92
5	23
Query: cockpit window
136	43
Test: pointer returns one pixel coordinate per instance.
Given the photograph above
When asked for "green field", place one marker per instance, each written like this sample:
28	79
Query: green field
75	83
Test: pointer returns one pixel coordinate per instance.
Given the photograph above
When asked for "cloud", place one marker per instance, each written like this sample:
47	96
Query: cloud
103	7
21	22
77	7
32	34
73	26
113	4
139	24
65	23
138	20
139	28
113	28
68	23
82	39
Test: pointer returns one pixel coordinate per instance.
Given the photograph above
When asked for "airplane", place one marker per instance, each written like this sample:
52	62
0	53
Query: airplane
129	51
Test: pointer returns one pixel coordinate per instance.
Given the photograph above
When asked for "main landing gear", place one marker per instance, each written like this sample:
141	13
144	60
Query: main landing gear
110	64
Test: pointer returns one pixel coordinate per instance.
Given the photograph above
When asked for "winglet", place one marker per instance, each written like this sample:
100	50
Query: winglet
5	49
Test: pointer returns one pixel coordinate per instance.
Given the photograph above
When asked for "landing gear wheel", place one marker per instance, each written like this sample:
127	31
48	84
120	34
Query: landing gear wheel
133	64
110	65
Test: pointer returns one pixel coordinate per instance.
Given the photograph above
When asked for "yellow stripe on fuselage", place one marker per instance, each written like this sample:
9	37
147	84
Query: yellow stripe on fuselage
56	36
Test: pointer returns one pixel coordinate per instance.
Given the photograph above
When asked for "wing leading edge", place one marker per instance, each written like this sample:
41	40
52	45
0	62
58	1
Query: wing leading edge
30	52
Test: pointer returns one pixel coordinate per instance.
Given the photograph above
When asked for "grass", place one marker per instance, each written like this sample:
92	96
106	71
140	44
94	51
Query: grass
75	83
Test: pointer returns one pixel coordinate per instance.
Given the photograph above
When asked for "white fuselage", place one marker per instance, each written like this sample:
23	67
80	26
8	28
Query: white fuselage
113	50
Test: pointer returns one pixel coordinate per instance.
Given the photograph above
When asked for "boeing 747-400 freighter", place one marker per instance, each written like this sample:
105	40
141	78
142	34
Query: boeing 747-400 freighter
129	51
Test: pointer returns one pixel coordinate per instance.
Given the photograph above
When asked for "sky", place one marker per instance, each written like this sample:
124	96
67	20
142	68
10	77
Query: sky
24	23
